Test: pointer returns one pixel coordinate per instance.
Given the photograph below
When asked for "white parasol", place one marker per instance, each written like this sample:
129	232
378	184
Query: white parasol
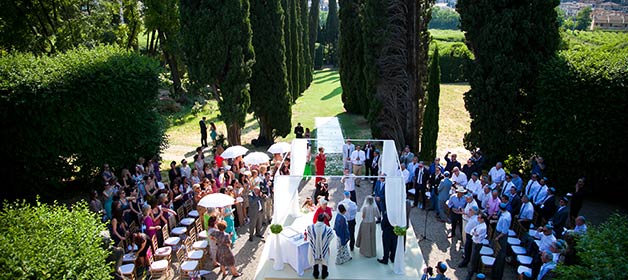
234	151
216	200
256	158
280	148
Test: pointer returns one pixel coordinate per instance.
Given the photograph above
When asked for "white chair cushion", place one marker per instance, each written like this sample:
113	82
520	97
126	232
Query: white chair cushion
411	191
513	241
179	231
538	242
485	242
522	269
532	232
193	214
518	250
511	233
129	257
163	251
486	260
195	255
189	265
524	260
127	269
203	235
159	265
486	251
187	221
200	244
172	241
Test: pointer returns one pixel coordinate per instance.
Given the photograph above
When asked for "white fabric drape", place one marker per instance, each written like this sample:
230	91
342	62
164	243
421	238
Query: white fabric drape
286	197
395	198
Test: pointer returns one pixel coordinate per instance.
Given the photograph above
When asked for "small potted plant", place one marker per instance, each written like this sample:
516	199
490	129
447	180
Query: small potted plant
400	231
276	228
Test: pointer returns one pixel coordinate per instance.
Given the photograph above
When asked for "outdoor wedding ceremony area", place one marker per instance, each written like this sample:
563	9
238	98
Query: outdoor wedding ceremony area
313	139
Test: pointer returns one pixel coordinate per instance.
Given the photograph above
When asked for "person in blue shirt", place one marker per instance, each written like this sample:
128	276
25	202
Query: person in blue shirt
456	205
436	164
516	179
441	268
443	194
379	193
341	228
548	265
501	231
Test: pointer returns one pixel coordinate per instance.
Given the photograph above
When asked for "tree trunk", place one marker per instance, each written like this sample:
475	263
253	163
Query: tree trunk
412	129
174	70
233	134
265	132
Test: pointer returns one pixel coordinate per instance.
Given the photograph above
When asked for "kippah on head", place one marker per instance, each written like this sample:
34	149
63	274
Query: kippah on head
503	206
442	266
480	276
346	193
475	209
321	217
527	274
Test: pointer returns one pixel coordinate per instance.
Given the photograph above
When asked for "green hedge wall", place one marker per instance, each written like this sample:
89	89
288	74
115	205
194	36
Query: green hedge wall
580	120
63	117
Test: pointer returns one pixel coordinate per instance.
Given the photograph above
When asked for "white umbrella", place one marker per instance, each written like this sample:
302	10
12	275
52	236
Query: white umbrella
256	158
234	151
280	148
216	200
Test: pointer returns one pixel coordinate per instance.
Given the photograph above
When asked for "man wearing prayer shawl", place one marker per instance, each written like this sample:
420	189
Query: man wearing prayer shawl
342	232
319	236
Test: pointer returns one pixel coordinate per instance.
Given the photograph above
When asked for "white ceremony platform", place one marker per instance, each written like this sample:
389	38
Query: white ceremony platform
359	267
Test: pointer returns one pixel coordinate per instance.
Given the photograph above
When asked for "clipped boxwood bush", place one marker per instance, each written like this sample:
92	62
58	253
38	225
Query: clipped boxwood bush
51	242
454	60
63	117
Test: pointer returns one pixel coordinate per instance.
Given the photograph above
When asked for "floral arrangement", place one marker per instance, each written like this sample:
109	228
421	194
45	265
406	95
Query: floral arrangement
400	231
276	228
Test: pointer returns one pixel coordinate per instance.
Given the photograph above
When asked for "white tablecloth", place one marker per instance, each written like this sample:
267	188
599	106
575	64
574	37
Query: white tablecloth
294	250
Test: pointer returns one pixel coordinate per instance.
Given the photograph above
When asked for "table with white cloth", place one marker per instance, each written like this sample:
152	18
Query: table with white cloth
294	248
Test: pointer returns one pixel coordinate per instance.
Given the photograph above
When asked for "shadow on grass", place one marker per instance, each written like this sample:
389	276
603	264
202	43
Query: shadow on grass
329	78
324	73
332	94
354	126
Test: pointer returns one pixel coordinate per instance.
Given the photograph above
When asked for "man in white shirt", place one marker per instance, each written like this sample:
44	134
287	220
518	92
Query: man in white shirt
357	160
186	171
478	235
412	167
547	237
470	221
532	187
541	194
352	210
405	174
507	185
474	186
527	212
349	182
459	177
467	214
497	174
347	149
484	196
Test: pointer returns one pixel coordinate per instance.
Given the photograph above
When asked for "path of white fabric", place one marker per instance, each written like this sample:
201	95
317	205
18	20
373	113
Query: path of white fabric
289	246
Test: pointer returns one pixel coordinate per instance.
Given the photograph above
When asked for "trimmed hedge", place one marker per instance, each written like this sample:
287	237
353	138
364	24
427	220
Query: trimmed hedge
51	242
579	122
455	58
64	116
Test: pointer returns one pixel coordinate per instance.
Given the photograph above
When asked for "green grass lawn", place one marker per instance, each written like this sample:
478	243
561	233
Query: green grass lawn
321	99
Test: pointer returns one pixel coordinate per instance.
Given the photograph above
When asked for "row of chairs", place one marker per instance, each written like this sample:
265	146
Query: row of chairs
517	248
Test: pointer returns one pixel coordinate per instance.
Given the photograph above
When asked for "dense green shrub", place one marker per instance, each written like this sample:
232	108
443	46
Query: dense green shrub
51	242
579	122
318	57
602	252
63	117
455	58
444	18
429	135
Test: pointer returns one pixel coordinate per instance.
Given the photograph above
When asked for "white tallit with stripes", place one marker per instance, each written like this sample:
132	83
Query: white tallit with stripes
319	235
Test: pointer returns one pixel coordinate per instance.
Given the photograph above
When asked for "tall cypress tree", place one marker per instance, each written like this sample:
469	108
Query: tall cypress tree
331	30
429	135
351	56
270	100
307	56
216	40
298	43
313	27
287	31
523	34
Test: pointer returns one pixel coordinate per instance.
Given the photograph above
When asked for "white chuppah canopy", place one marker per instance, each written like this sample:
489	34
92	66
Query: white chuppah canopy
286	190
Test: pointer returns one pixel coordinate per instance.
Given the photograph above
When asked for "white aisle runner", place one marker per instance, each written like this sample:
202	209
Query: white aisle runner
329	134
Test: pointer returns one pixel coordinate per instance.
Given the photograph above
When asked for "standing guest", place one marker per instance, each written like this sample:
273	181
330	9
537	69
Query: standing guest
515	201
459	178
220	161
256	212
441	268
478	160
107	174
357	162
319	236
342	232
213	132
469	168
436	165
421	174
150	228
308	133
298	130
526	214
324	210
451	163
108	195
174	172
143	243
369	153
94	203
443	194
375	165
186	171
497	174
503	225
379	193
507	184
322	190
230	221
548	205
203	127
492	205
224	255
538	165
347	150
210	223
483	197
467	215
412	166
389	239
581	226
532	187
456	205
577	199
349	183
435	179
406	156
516	179
319	163
559	220
366	235
474	186
405	176
478	235
541	195
471	223
117	227
352	211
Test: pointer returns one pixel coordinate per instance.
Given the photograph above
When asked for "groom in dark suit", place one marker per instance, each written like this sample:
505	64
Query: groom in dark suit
422	176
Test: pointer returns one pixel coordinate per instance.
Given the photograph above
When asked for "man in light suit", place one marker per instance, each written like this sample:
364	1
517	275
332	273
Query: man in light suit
256	212
347	149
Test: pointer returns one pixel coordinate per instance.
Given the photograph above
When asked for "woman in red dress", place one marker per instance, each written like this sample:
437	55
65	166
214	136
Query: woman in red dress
322	209
319	162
